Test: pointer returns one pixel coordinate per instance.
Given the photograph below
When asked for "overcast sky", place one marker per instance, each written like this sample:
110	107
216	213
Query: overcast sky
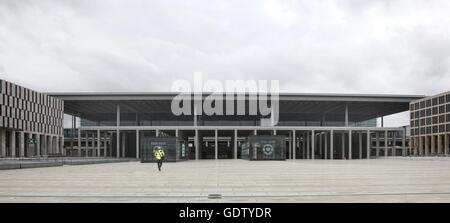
399	47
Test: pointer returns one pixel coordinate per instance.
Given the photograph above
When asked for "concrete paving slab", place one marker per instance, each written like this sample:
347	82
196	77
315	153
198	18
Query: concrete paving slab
375	180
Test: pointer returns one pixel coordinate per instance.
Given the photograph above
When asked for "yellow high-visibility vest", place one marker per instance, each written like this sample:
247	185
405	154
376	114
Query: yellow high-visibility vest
159	154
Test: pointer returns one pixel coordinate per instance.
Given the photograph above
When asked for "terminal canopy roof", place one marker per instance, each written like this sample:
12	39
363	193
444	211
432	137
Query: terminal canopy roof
292	106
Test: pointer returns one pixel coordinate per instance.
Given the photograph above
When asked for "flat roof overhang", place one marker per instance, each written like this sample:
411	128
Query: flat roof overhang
308	106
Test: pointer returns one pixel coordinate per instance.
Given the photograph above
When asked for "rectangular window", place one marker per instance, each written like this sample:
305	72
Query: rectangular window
435	101
442	128
435	110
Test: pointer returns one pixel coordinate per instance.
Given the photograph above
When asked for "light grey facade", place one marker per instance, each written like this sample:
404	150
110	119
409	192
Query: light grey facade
31	123
430	125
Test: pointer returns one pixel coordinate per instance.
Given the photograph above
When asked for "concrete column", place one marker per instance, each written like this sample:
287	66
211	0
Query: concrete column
3	142
123	145
433	144
44	145
294	145
38	145
446	147
404	142
98	142
118	131
377	144
419	145
385	143
312	144
274	132
326	145
50	145
255	132
138	143
343	145
157	132
426	147
331	144
216	145
86	146
360	145
27	144
117	143
303	146
308	146
368	145
350	144
13	143
57	149
394	147
320	147
79	142
196	144
105	144
21	144
235	144
439	145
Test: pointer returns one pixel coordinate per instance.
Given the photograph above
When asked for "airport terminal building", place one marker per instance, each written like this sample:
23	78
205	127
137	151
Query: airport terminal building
310	126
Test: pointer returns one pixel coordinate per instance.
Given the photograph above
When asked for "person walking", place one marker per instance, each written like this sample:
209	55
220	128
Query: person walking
159	156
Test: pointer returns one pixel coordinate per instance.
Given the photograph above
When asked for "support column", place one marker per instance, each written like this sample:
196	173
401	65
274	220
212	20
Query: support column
196	144
87	144
216	145
57	149
79	142
138	143
13	143
360	144
377	144
44	145
326	145
28	145
235	144
3	142
331	144
21	144
439	145
446	147
308	146
320	146
304	146
123	144
343	145
350	144
369	142
426	147
404	142
38	145
98	142
433	144
105	144
394	146
312	144
118	131
385	143
294	145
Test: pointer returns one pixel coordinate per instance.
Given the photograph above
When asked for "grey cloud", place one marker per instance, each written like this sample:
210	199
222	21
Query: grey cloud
310	46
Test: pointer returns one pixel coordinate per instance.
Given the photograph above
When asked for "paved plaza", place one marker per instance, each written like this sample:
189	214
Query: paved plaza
375	180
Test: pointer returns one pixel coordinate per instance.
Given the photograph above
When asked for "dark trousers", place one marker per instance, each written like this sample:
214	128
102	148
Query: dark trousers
159	164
